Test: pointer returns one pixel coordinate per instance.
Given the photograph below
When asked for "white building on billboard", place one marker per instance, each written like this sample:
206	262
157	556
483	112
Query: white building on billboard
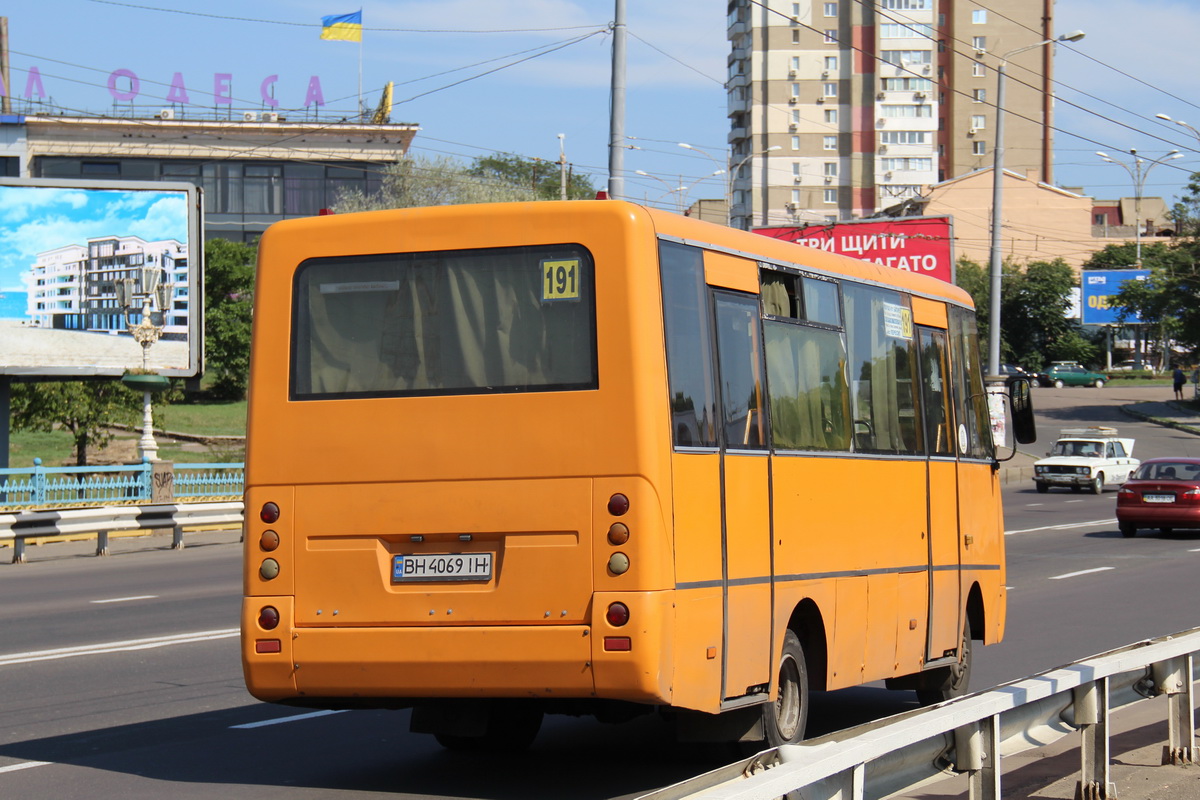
74	287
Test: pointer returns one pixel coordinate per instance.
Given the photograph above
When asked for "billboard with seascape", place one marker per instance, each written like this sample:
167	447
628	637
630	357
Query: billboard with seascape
84	262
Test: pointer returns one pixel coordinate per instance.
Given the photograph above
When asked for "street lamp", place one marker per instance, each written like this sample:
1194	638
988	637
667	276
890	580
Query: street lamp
722	169
147	284
995	264
1138	173
733	170
670	188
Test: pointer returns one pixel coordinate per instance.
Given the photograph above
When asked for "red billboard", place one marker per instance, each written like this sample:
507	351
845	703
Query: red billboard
915	244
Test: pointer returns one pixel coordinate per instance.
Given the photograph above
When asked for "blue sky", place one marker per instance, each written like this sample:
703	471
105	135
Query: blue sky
454	63
36	219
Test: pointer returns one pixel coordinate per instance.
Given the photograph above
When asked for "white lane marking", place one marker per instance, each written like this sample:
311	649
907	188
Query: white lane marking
281	720
1034	505
1081	572
24	765
1066	526
116	647
1074	501
125	599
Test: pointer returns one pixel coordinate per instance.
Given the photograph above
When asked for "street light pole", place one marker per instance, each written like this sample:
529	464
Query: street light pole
995	262
670	189
1137	174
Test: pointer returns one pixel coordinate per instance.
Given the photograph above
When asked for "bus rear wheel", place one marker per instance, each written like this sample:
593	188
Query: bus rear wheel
784	720
950	681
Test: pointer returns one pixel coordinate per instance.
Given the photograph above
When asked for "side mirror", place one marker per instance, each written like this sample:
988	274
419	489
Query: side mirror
1021	400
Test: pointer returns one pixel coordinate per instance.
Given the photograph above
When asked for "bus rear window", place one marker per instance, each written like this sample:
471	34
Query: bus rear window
514	319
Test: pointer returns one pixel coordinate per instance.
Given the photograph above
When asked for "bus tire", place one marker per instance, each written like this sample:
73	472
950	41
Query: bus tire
511	728
784	720
943	683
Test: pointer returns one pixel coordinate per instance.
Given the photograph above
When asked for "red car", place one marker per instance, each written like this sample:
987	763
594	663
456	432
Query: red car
1163	493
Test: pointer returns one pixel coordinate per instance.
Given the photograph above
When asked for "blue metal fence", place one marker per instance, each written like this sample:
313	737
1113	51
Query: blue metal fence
48	487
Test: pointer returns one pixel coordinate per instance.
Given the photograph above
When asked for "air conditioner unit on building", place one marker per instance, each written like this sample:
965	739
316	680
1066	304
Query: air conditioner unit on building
972	131
820	99
797	180
270	116
882	149
793	100
249	116
879	123
926	69
793	127
980	53
824	73
887	176
166	113
919	96
790	206
880	95
829	179
791	73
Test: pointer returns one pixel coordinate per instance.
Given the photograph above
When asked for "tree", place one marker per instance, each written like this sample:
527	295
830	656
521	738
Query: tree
543	178
417	181
1034	313
1165	304
228	299
88	409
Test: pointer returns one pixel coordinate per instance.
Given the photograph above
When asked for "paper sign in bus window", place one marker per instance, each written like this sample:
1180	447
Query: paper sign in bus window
897	321
560	279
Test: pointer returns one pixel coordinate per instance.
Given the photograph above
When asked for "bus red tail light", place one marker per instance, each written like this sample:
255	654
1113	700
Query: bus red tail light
618	505
618	614
268	618
269	513
618	644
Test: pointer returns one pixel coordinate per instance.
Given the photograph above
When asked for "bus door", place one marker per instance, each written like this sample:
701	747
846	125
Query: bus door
745	492
942	507
719	477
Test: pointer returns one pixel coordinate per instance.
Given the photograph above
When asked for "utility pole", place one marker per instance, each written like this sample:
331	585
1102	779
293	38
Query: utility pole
6	101
616	128
562	165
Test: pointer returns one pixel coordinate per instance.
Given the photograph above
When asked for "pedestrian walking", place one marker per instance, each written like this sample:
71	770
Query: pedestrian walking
1179	379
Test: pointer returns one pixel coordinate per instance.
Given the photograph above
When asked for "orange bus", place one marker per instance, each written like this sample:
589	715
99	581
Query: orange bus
594	458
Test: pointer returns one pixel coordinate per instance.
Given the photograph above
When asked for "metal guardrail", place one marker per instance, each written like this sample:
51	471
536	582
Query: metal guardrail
40	487
970	735
20	526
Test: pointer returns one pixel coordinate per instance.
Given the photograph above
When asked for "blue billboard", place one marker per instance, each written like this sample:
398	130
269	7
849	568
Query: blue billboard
1098	291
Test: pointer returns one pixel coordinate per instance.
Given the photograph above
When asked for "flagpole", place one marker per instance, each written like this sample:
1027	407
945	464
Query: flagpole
360	49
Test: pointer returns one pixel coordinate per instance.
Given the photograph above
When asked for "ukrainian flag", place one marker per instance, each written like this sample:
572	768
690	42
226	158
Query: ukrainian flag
342	27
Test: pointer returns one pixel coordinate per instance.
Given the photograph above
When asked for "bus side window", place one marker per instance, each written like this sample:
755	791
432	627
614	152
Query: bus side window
806	380
970	404
687	327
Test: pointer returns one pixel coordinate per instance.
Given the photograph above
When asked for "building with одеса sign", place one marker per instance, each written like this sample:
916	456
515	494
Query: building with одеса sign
254	168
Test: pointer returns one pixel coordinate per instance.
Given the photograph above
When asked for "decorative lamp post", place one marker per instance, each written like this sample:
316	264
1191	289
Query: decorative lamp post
145	333
995	263
1138	170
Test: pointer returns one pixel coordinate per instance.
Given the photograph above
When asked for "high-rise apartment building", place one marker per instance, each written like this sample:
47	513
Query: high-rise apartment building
843	108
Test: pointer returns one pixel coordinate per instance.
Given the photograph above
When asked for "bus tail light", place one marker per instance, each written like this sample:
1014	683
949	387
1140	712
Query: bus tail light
268	646
618	505
268	618
269	513
618	534
618	614
618	644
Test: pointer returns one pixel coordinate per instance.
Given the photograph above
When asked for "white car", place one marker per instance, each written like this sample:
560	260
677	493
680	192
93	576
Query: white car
1086	457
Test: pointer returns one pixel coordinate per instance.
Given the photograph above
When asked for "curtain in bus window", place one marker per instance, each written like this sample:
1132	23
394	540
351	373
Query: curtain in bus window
740	370
879	332
806	383
686	323
445	323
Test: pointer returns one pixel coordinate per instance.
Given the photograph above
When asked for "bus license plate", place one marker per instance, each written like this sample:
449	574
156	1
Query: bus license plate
1158	498
442	567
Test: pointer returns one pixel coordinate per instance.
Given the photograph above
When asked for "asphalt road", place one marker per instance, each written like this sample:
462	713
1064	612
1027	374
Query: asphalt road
120	676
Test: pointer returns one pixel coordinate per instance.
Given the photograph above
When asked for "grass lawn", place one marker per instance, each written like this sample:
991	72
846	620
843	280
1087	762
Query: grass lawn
203	419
